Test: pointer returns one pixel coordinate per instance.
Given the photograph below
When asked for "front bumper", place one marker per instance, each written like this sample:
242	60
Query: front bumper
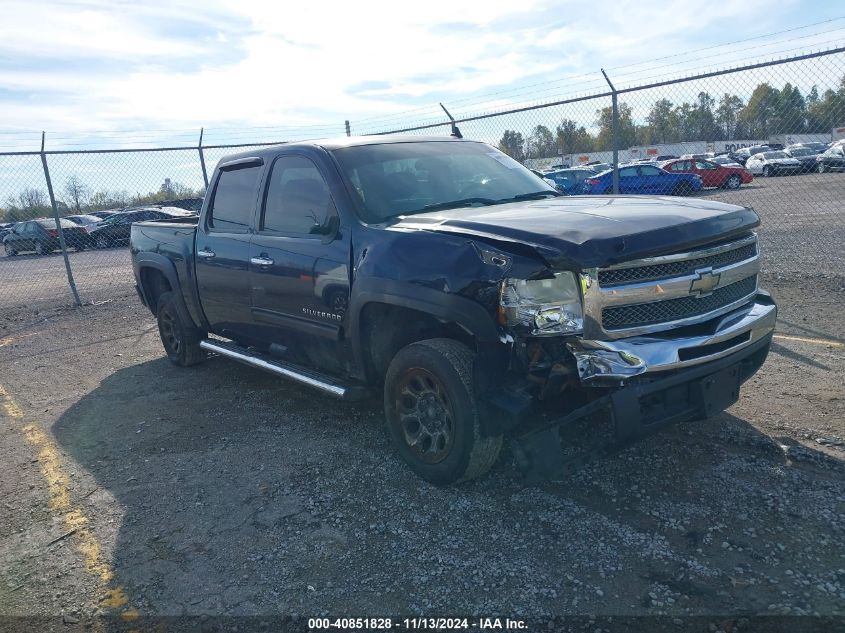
607	362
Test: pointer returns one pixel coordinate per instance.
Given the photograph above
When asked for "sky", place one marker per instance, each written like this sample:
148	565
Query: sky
110	72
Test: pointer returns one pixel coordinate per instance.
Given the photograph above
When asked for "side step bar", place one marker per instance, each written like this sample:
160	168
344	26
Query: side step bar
303	376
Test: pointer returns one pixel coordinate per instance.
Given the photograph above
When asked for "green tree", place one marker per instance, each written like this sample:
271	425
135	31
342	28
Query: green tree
759	114
513	144
541	143
727	115
627	128
572	138
662	123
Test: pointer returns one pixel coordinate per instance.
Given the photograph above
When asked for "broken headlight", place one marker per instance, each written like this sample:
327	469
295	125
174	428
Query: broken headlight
543	306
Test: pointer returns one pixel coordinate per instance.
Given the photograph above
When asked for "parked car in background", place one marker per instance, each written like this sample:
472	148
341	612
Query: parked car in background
772	164
83	220
705	155
725	160
712	174
6	228
114	230
570	181
744	153
597	166
41	237
806	156
188	204
104	214
548	181
832	159
819	147
639	179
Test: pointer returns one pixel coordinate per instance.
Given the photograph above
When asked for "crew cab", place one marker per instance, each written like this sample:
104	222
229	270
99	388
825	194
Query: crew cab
445	278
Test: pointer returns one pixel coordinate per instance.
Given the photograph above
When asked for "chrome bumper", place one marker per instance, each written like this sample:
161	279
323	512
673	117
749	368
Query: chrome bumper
623	358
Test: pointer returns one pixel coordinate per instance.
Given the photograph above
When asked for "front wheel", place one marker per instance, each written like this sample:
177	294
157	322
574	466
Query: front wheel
766	171
820	168
39	249
10	252
181	339
102	241
432	414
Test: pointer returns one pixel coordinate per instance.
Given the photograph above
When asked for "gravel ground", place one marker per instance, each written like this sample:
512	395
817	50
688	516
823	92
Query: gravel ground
222	490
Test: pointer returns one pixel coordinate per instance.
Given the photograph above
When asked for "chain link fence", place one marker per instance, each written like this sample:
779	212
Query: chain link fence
767	135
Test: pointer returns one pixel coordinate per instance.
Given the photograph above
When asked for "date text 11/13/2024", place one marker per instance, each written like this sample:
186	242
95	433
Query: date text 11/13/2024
481	624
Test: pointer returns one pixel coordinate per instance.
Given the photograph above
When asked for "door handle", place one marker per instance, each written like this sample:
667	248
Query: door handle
261	261
205	253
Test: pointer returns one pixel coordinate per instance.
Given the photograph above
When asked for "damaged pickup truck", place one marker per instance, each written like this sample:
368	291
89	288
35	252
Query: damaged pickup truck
477	301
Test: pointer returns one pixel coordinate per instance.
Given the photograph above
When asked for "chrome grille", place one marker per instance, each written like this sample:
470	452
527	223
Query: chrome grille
657	294
616	276
629	316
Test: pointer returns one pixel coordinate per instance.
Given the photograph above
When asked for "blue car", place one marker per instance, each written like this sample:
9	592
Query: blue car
570	181
644	179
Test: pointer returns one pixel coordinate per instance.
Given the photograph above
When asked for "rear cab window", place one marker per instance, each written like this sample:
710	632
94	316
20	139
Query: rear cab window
233	205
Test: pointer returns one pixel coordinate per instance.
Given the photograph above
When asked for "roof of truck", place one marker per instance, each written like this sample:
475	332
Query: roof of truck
341	142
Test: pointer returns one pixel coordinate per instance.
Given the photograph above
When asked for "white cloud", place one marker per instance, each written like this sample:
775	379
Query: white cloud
236	63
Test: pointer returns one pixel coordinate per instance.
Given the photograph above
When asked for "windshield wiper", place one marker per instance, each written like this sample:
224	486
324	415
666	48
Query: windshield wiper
453	204
534	195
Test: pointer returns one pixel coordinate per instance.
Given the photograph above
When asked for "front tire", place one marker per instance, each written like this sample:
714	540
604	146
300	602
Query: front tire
766	171
821	168
181	340
432	413
102	242
39	249
10	252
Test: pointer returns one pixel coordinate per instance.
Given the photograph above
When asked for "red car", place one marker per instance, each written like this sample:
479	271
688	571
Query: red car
712	174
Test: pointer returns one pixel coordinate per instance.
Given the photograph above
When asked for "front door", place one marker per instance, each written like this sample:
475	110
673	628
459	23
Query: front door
222	251
299	263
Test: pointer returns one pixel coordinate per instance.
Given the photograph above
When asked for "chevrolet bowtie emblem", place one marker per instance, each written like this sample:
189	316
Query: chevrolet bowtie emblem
705	283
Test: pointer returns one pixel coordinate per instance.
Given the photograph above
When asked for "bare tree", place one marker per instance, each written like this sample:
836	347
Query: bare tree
77	192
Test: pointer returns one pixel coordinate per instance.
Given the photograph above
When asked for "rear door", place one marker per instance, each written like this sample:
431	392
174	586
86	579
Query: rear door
299	259
222	249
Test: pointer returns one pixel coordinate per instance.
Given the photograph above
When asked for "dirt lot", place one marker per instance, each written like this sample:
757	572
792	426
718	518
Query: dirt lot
132	486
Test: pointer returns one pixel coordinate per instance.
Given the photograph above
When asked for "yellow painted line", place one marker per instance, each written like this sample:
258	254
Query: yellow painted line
11	339
58	488
804	339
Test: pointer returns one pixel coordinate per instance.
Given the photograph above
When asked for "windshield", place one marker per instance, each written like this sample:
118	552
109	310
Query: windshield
776	155
395	179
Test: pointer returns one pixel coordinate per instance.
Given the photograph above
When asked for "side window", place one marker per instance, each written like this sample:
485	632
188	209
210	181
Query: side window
627	172
649	171
298	200
702	165
234	200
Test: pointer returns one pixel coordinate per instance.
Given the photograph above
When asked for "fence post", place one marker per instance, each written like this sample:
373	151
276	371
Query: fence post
348	129
62	242
202	160
614	132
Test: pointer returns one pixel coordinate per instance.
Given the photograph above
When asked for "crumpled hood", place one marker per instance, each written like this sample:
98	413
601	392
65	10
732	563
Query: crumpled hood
588	231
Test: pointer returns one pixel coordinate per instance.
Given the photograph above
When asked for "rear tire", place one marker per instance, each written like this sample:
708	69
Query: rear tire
432	414
181	340
734	182
682	189
39	249
821	168
102	242
10	252
767	172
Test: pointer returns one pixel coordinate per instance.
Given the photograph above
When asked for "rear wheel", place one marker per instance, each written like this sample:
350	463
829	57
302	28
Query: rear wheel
767	171
39	249
181	340
682	189
102	241
733	182
820	168
10	252
432	414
